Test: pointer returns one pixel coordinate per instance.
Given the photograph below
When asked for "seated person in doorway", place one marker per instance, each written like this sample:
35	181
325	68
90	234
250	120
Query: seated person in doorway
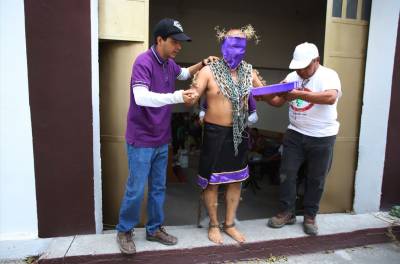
256	141
195	131
226	84
272	153
264	156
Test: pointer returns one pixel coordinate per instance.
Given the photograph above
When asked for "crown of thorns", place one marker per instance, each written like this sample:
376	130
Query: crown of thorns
247	30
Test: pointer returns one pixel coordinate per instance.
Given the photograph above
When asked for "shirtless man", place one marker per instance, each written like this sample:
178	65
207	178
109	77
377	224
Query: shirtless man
226	84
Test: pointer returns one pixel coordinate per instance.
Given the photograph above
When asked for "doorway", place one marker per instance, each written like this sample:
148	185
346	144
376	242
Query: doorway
281	27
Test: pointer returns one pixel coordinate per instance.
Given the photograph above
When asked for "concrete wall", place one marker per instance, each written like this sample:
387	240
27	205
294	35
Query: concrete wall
94	18
376	103
281	24
18	214
18	207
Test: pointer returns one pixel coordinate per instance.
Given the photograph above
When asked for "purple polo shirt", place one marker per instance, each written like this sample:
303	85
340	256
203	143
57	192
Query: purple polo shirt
151	126
252	104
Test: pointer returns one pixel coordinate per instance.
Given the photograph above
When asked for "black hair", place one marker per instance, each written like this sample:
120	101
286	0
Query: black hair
155	39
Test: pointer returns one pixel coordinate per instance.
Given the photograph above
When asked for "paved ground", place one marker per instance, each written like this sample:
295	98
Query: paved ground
191	237
20	261
380	253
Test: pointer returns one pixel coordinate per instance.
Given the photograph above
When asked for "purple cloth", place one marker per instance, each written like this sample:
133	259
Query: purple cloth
218	163
275	88
251	102
233	50
224	177
151	126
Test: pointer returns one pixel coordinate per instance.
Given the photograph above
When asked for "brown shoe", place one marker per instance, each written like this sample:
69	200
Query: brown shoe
310	225
163	237
281	219
125	242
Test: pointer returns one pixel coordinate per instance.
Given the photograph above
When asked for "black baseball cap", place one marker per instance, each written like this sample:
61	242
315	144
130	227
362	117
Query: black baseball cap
168	27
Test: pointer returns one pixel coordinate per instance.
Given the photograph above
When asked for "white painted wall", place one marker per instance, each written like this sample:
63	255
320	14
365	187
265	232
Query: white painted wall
18	215
94	18
376	103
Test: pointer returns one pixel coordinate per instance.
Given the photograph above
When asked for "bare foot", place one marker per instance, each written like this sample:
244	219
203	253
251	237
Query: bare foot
234	233
215	235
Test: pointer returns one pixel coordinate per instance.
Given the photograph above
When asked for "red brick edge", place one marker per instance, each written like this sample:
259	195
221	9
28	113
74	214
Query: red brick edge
216	254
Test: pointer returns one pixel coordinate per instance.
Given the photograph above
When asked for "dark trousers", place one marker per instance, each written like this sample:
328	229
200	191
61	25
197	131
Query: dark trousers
316	153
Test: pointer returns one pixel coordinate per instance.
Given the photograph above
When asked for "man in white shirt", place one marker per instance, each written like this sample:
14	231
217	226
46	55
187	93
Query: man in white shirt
311	134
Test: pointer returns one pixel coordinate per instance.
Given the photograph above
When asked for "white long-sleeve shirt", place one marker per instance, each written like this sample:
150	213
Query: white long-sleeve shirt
144	97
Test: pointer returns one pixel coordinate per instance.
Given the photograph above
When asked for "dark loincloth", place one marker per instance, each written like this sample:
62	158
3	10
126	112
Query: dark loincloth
218	163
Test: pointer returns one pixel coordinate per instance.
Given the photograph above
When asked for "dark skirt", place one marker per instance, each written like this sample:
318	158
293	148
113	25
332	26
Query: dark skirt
218	163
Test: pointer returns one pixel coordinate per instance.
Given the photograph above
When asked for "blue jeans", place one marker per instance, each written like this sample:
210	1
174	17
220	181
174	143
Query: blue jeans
145	164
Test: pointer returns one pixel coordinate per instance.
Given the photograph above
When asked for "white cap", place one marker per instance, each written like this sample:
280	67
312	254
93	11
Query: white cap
303	55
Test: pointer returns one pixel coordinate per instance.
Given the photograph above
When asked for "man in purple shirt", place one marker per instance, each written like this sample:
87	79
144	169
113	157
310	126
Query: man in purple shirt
148	131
